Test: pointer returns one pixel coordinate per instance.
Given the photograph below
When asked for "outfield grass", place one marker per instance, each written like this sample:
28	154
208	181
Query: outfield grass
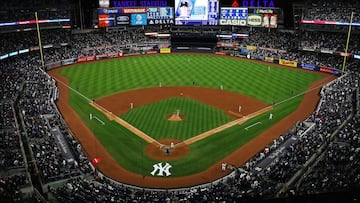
100	79
104	78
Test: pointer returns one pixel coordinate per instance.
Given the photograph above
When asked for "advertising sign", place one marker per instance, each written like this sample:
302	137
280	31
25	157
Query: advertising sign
288	63
138	19
160	16
254	20
233	16
269	20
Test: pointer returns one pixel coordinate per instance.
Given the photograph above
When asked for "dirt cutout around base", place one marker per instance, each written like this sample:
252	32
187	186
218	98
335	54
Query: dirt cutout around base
175	117
160	153
110	168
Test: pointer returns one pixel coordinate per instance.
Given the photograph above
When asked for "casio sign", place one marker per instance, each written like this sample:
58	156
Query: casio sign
232	22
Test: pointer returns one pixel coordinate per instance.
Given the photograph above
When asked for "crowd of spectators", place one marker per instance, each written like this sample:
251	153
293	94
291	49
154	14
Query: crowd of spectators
264	38
10	42
10	187
335	42
10	151
35	105
337	10
294	46
31	88
11	11
7	116
337	168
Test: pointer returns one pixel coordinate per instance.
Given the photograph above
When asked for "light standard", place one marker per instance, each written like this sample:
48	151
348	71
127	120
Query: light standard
347	43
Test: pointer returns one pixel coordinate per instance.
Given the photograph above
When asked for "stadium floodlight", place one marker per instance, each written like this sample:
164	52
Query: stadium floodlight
347	42
39	39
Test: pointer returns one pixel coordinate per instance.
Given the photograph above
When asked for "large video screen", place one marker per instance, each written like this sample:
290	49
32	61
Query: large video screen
196	12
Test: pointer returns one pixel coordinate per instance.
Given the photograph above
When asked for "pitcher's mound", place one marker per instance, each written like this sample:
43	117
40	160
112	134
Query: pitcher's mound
175	117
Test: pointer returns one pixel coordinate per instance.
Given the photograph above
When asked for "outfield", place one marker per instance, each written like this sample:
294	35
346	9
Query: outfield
100	79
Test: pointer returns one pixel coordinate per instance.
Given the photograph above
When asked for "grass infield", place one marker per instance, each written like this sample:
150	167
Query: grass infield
199	118
99	79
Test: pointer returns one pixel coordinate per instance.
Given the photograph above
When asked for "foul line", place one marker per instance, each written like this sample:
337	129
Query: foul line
122	122
225	126
98	119
136	131
250	126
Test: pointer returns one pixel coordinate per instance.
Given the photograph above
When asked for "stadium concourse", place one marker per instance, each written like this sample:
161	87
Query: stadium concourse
317	159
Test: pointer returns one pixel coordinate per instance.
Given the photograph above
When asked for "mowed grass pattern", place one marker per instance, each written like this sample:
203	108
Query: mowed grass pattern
199	117
103	78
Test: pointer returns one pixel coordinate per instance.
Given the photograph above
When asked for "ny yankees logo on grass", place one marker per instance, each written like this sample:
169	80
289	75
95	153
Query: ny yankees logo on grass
162	169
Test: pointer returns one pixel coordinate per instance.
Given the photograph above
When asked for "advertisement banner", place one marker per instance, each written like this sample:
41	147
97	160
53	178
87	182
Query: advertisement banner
269	20
112	54
165	50
345	54
308	49
254	20
233	16
101	56
248	47
271	49
160	21
81	59
243	51
309	67
269	59
122	20
151	52
133	10
68	61
90	58
104	20
53	65
109	11
138	19
288	63
326	51
326	69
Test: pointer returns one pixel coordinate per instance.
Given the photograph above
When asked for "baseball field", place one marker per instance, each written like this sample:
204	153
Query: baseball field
128	111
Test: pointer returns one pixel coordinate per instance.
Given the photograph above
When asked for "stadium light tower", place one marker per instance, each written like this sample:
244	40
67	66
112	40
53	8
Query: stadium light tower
39	38
347	43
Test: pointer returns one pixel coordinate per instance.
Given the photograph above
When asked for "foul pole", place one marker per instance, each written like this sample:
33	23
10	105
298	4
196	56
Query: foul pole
39	38
347	43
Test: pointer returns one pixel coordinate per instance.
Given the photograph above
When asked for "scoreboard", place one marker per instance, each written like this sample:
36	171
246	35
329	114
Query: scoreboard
233	16
196	12
189	12
160	15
